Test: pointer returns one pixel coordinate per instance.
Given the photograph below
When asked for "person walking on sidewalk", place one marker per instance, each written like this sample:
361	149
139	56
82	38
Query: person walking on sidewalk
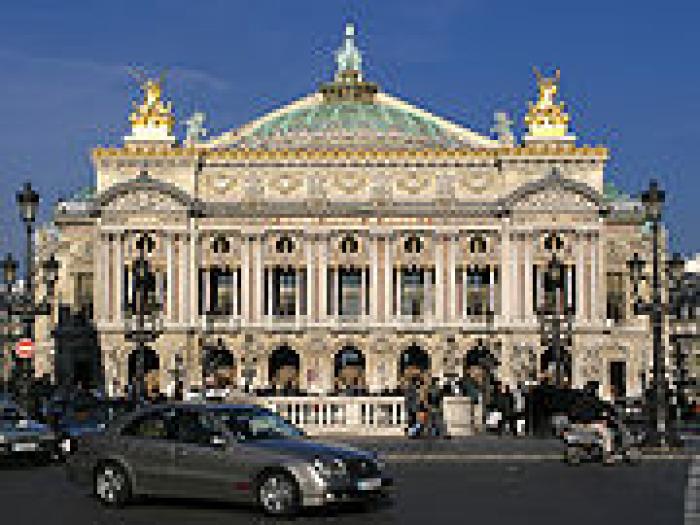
411	406
435	419
506	405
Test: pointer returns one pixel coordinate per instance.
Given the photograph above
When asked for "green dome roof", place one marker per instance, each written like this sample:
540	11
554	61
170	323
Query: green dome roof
351	117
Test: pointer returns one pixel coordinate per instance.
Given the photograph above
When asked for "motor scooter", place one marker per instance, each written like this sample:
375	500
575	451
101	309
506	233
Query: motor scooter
585	444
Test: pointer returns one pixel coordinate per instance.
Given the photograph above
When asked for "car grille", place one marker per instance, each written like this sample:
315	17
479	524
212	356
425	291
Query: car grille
361	468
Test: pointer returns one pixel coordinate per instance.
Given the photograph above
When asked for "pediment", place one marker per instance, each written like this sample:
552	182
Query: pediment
555	199
140	201
145	194
554	193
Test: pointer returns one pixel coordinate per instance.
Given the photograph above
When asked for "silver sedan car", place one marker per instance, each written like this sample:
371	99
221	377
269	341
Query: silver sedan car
229	452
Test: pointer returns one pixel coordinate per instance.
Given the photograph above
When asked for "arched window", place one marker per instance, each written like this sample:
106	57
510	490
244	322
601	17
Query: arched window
413	244
146	243
553	242
284	245
220	244
477	244
349	244
283	369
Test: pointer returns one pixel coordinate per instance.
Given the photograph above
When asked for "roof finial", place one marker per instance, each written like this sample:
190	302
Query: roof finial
348	58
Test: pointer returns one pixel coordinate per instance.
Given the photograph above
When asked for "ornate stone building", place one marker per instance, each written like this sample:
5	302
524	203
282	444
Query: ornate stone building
349	238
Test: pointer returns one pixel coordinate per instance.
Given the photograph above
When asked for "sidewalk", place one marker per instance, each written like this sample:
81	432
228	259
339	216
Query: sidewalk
475	448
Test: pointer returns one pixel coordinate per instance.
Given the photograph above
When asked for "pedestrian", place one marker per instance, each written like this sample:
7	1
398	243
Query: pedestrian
435	409
507	408
411	405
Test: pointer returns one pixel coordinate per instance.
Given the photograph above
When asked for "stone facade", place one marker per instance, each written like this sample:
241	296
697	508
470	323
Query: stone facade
318	248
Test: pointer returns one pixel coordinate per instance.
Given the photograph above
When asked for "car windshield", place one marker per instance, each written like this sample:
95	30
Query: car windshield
253	424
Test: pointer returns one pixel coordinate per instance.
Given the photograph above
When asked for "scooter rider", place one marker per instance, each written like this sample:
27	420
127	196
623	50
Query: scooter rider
593	413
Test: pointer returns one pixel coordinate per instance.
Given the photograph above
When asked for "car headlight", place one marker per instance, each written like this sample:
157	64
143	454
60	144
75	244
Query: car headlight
339	468
322	468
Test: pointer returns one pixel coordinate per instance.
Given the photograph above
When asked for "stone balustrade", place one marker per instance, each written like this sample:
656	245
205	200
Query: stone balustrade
366	415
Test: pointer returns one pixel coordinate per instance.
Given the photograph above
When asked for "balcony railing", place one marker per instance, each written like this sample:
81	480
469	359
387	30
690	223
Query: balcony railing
365	415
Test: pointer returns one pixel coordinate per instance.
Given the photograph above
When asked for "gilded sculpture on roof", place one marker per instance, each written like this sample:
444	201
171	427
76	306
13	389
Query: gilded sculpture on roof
152	113
546	118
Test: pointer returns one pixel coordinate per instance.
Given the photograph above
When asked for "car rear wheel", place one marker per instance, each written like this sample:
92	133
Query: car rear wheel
278	494
112	486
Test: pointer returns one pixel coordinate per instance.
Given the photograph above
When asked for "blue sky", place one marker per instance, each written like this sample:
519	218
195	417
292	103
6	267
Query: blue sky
630	76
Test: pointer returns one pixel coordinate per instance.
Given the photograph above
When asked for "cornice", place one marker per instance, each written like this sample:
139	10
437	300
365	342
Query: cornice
515	153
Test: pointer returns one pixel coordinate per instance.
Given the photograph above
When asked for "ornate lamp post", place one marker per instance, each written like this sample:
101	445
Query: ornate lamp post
555	319
653	200
27	306
144	326
28	202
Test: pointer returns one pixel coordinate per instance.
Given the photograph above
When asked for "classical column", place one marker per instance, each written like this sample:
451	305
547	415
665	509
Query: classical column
505	274
515	282
258	279
374	280
539	286
181	274
437	305
169	276
310	279
601	265
388	279
270	295
193	276
569	285
334	292
105	277
206	289
432	304
119	269
594	279
399	311
245	280
297	293
363	291
323	279
528	278
452	281
234	311
465	291
580	310
129	274
492	287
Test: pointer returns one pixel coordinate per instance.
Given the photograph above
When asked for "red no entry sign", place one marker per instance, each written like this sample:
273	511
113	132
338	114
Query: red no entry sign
24	349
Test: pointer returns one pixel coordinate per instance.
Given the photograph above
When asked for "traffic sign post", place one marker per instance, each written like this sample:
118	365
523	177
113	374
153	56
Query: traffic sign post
24	349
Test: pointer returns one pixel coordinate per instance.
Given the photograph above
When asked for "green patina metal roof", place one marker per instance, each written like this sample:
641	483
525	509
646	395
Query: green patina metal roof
612	193
83	194
352	117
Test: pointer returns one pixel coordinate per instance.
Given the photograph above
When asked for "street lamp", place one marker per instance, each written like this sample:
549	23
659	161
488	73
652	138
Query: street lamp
555	319
27	307
653	200
145	310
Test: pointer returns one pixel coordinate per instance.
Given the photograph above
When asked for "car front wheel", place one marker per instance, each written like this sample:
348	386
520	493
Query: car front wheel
278	494
112	485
